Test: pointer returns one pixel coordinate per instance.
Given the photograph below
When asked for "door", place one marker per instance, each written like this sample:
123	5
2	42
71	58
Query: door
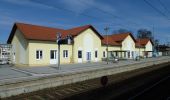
96	55
88	56
80	56
53	57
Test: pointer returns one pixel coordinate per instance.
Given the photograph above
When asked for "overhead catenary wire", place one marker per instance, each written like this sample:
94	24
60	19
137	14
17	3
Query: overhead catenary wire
156	9
82	14
163	5
108	13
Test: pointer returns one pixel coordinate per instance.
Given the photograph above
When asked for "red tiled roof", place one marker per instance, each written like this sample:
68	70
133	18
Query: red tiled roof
35	32
142	42
121	36
108	40
116	39
75	31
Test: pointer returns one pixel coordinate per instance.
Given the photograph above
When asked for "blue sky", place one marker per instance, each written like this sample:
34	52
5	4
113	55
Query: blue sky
127	14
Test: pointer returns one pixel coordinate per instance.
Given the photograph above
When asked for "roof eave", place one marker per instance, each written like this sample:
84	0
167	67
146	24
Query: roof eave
12	33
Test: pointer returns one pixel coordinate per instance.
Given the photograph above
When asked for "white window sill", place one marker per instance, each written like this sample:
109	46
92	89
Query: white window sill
39	59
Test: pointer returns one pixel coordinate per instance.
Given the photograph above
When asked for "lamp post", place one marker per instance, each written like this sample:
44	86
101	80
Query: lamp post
58	42
106	30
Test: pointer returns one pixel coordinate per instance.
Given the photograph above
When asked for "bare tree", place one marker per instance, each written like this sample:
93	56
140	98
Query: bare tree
144	33
121	30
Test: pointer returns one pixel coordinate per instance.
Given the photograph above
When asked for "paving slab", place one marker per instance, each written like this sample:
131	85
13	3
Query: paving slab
8	72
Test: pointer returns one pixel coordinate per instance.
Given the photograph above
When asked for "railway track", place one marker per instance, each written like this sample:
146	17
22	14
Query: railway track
58	93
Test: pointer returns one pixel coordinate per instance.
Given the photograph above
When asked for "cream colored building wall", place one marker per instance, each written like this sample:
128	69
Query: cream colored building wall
46	47
103	49
149	46
69	59
110	48
19	49
114	48
141	50
87	41
129	45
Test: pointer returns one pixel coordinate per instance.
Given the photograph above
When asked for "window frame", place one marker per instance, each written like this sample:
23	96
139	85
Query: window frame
104	54
81	56
54	54
96	54
40	54
65	53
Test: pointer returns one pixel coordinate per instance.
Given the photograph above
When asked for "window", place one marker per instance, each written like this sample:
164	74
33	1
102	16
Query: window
104	54
39	54
65	53
53	54
79	54
95	54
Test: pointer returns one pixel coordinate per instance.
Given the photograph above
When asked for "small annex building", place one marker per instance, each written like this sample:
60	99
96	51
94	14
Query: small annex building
145	47
121	45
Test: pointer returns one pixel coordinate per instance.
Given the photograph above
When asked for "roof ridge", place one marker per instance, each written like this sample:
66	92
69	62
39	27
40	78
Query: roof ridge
88	25
38	25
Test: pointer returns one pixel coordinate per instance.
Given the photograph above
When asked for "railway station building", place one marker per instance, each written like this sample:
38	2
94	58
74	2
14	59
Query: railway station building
34	45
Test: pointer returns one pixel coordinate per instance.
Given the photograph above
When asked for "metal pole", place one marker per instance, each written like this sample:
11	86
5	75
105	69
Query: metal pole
106	29
153	42
58	42
139	48
59	56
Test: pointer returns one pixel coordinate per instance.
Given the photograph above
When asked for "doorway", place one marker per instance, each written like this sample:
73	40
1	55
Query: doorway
53	57
88	56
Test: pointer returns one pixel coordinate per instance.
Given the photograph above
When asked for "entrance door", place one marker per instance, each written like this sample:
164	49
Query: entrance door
80	56
88	56
53	57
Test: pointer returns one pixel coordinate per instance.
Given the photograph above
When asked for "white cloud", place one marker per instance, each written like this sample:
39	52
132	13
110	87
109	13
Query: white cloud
79	6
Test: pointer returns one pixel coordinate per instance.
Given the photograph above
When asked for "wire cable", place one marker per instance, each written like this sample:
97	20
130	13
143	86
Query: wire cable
156	9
